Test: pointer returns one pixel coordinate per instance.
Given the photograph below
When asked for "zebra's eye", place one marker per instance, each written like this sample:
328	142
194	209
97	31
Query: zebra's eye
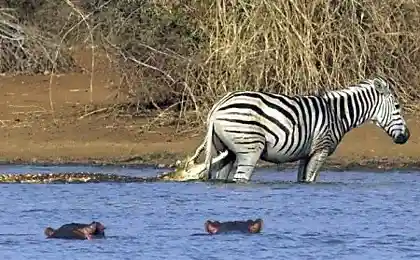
397	106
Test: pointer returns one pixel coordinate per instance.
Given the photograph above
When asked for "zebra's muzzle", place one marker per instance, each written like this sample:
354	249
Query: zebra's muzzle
402	138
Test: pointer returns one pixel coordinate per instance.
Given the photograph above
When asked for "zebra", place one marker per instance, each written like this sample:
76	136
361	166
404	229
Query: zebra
277	128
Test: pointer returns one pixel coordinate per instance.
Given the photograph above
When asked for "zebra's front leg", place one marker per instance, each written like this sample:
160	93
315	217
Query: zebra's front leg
309	169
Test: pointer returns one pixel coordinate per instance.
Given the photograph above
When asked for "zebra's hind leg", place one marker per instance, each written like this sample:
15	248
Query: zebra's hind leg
227	165
246	163
302	169
309	168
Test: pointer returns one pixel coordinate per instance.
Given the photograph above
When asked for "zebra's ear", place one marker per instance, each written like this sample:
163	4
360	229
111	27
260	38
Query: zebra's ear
381	86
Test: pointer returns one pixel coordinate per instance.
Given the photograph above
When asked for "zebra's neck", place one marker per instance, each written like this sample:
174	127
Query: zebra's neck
352	106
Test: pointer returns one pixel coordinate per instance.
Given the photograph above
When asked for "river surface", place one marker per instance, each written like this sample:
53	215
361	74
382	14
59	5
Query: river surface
346	215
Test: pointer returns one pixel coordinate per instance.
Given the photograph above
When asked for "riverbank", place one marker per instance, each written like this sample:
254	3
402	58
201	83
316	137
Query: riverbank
30	135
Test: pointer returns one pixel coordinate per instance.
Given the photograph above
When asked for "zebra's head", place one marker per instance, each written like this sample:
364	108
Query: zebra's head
388	113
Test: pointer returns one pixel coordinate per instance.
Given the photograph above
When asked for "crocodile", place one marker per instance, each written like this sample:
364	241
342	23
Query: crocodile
183	172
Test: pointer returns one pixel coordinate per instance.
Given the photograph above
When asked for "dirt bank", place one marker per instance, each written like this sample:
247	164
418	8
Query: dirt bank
29	134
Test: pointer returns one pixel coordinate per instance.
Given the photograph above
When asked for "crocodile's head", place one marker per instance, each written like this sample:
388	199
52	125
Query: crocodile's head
185	172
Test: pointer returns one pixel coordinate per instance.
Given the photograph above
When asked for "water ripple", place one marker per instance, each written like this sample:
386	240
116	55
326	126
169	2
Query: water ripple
347	215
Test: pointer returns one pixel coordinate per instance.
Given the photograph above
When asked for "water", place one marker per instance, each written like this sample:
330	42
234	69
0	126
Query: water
348	215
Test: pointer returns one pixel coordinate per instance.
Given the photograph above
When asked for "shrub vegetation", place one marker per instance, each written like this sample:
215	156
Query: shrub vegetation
186	54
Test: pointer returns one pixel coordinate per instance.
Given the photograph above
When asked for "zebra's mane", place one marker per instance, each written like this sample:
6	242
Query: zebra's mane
363	85
352	92
388	82
366	84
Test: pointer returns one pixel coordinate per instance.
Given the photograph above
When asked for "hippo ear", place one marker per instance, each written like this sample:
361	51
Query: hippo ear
211	227
256	226
206	225
99	225
90	229
49	231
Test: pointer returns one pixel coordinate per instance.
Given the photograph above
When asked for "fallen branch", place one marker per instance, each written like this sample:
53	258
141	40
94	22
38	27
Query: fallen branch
94	112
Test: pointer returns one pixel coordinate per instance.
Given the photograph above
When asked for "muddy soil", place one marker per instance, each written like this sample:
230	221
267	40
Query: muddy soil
31	133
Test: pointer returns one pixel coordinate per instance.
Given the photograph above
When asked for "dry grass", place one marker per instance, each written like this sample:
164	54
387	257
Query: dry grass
181	57
290	47
25	50
296	47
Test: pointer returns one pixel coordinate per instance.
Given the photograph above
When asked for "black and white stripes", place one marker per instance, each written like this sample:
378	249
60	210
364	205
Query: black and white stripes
278	128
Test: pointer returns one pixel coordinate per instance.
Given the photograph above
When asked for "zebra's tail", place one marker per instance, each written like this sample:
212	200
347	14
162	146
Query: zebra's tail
209	142
209	136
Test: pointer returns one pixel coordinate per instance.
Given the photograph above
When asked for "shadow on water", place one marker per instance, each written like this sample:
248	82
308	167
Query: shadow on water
255	182
287	179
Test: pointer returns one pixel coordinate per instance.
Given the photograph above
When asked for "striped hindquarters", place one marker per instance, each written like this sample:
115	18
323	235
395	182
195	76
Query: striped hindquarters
284	125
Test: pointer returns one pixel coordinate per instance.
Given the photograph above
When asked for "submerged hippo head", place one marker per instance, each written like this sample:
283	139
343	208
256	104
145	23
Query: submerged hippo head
49	231
77	231
93	230
249	226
